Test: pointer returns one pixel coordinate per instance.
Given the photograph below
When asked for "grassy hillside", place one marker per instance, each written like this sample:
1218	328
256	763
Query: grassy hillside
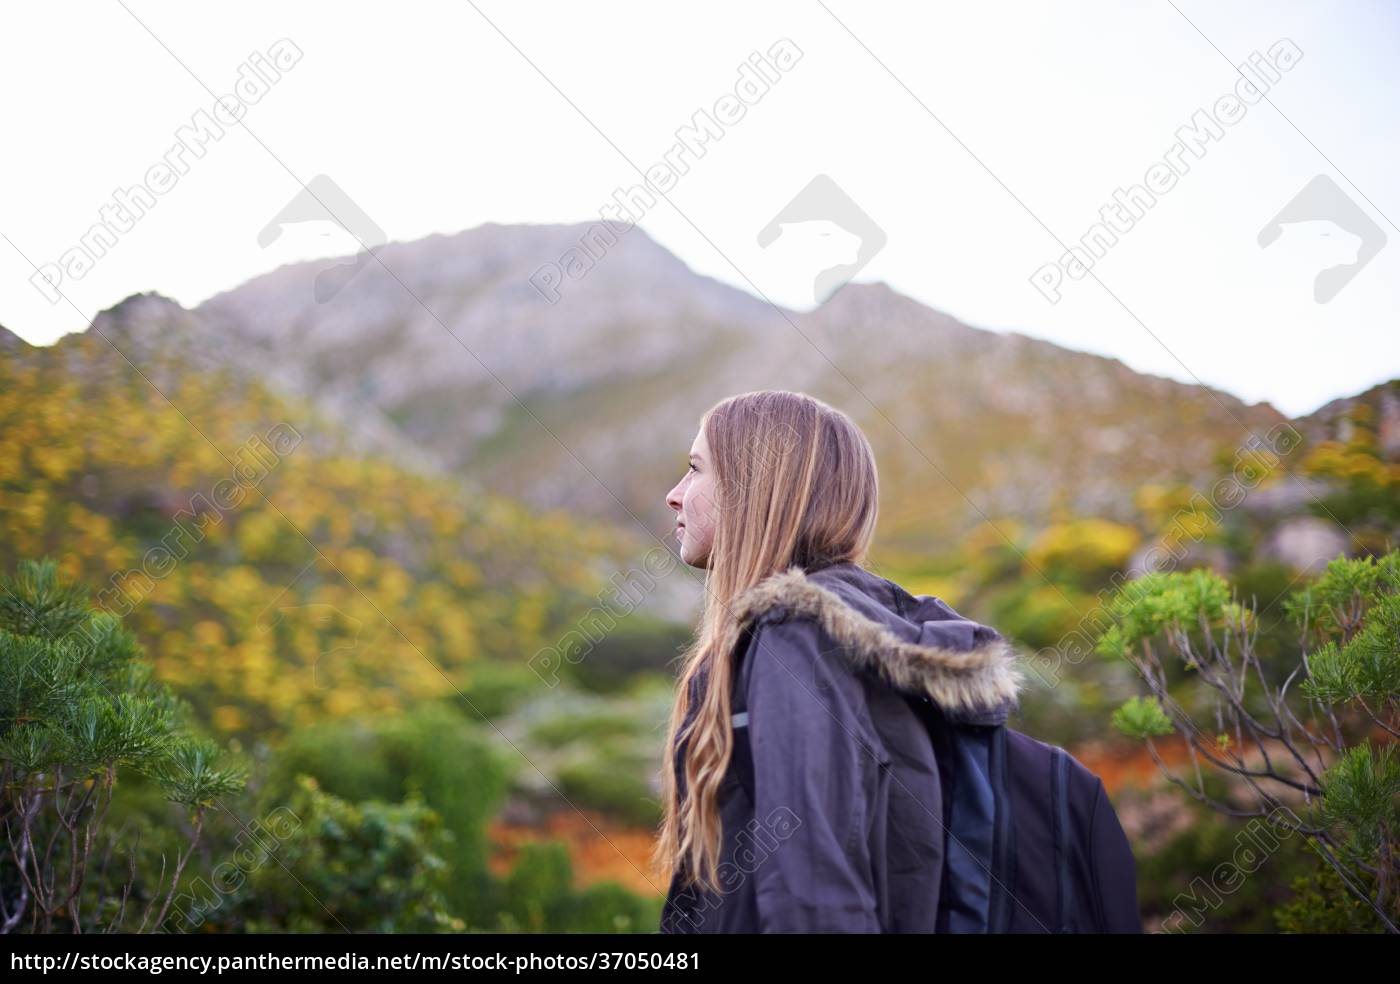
274	589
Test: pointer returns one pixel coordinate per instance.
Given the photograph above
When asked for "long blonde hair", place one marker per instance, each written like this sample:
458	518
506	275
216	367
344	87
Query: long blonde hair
795	484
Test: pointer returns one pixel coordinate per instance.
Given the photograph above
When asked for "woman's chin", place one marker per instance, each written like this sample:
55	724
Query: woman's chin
689	558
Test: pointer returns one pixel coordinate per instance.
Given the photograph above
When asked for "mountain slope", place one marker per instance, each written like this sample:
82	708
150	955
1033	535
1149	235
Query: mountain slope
590	403
278	576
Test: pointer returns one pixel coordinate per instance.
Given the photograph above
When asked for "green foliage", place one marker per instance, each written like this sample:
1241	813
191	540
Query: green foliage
278	610
1082	551
1353	610
78	706
1158	601
434	756
542	899
432	752
1217	860
584	724
609	783
1322	903
1363	492
1334	606
1362	797
1142	717
637	643
1367	668
36	603
369	867
192	776
598	751
1036	613
269	604
541	876
494	689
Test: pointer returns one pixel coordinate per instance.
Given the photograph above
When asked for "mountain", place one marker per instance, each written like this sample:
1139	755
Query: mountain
469	443
10	342
1379	406
590	403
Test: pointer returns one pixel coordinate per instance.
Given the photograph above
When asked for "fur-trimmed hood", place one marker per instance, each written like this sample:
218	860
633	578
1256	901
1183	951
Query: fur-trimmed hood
915	643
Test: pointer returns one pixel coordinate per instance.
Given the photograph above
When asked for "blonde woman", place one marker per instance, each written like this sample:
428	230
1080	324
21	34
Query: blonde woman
838	758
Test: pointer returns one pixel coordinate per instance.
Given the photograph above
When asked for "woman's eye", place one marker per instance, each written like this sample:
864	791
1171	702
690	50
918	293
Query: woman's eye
692	466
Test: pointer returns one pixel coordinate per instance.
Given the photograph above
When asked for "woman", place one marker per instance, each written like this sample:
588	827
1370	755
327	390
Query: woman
801	785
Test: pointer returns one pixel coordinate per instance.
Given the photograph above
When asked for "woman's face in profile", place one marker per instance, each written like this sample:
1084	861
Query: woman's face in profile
694	503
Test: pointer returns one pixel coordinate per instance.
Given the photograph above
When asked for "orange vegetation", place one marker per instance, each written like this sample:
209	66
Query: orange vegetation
1118	765
601	849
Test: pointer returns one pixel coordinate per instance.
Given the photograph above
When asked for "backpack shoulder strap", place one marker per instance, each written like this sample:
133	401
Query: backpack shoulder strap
978	890
1059	812
741	757
1004	837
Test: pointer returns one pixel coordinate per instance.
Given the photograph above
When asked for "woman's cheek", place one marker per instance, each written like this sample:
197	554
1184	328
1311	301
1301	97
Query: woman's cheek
703	511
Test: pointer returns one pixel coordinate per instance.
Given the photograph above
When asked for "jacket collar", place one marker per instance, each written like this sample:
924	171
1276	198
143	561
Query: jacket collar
976	682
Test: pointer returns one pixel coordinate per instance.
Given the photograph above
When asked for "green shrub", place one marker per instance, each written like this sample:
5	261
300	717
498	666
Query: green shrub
542	900
368	867
1189	627
433	752
79	708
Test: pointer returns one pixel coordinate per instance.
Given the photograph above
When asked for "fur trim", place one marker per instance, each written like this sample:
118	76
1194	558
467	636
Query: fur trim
986	679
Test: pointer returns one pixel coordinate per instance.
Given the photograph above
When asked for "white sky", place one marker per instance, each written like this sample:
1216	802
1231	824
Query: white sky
432	121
